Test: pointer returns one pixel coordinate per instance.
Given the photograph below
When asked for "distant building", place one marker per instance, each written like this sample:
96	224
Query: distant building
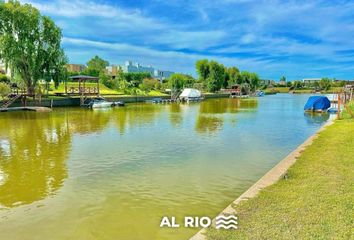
129	67
162	75
282	83
266	82
75	67
113	70
310	81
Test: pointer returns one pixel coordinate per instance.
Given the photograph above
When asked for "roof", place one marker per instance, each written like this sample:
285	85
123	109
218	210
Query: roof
83	77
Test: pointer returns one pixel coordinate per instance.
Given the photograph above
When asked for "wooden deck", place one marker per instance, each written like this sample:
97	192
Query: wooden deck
33	109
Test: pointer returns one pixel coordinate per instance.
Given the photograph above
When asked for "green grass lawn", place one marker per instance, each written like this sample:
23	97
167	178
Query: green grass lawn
305	90
315	202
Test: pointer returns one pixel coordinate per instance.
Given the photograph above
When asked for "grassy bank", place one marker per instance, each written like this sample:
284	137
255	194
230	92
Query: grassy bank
314	202
303	90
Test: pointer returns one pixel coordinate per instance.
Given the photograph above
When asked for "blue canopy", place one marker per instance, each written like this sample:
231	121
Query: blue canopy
316	103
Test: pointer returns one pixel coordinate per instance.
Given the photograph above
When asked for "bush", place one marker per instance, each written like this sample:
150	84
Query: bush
4	78
5	90
149	84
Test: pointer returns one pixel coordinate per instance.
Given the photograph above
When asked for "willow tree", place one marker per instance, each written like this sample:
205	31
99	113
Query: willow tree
30	44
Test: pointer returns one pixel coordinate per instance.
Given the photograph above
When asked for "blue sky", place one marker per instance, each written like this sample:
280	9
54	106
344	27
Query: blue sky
297	39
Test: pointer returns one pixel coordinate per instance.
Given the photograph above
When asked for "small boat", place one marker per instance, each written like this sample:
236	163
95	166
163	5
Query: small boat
317	104
101	103
259	93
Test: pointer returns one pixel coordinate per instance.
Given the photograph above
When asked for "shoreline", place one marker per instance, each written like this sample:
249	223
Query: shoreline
268	179
75	101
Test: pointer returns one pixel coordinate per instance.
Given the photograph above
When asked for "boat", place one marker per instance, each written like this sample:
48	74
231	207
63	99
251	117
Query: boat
259	93
317	104
102	103
190	95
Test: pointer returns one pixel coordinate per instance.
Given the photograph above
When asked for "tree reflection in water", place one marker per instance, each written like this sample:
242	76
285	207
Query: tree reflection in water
34	147
211	113
33	151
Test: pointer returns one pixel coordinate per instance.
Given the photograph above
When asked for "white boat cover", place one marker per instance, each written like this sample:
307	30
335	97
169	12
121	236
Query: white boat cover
190	93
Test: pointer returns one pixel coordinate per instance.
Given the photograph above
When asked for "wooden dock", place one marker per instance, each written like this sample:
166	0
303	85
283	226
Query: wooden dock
32	109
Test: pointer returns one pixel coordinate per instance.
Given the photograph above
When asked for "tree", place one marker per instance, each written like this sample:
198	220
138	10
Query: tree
149	84
254	81
106	80
135	79
30	43
325	84
95	65
178	81
216	76
234	75
202	67
5	90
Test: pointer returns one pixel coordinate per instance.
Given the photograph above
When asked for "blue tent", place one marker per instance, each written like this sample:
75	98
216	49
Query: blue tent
317	103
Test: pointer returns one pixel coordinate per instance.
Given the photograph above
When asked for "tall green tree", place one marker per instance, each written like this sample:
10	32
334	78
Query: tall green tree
178	81
202	67
216	76
249	79
234	75
30	44
325	84
95	65
254	81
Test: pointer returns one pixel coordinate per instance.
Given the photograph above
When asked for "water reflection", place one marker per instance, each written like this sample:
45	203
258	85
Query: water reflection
316	118
210	117
32	157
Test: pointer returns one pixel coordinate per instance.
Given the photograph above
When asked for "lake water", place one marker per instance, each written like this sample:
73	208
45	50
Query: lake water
113	174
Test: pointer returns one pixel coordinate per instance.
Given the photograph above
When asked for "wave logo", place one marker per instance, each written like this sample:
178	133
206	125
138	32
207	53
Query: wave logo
226	222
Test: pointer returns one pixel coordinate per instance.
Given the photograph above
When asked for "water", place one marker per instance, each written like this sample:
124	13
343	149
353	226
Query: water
113	174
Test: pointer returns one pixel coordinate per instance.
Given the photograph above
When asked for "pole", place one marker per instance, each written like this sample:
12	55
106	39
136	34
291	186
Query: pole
338	112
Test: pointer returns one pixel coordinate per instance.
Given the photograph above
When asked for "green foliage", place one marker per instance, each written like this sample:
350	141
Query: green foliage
135	79
107	80
95	65
202	67
249	81
178	81
233	75
149	84
5	90
4	78
297	85
216	76
30	43
325	84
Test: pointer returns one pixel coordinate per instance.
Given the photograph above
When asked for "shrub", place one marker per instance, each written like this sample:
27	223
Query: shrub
5	90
